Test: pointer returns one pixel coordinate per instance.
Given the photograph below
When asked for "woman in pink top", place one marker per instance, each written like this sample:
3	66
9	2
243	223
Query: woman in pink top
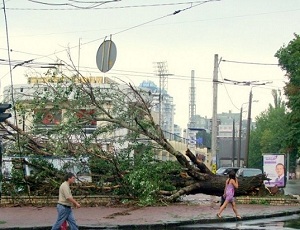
230	185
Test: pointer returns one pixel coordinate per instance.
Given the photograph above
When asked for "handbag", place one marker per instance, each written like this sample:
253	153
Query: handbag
64	226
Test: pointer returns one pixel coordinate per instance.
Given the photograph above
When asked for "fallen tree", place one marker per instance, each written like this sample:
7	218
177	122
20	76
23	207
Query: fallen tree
124	118
211	184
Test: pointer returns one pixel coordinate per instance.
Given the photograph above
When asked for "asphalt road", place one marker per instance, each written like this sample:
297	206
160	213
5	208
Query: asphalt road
276	223
292	187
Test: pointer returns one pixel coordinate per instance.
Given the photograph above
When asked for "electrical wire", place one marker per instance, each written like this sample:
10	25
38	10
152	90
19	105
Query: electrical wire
94	5
156	19
16	63
249	63
110	8
133	27
38	56
176	12
259	84
145	74
34	64
226	89
27	63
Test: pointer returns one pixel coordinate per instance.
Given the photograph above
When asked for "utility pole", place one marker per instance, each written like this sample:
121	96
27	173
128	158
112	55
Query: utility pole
214	124
240	140
3	117
233	142
248	130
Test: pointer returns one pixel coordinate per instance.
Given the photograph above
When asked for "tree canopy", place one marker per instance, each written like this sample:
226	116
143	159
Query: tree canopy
269	136
289	60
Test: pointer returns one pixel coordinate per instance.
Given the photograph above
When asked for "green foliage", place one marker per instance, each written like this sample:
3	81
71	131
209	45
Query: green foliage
149	177
269	135
112	134
264	201
43	171
206	138
41	181
99	168
289	60
292	224
260	201
16	184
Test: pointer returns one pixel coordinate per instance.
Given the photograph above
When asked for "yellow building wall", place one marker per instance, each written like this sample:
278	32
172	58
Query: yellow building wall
182	147
76	79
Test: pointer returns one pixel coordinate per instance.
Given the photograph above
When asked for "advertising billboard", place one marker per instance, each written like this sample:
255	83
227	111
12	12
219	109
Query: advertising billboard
275	170
48	117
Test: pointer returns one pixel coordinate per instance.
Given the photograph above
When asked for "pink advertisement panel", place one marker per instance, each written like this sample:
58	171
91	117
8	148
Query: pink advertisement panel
274	168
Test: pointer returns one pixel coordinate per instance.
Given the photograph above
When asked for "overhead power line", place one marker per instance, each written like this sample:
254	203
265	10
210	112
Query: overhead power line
249	63
156	19
133	27
74	7
94	4
247	83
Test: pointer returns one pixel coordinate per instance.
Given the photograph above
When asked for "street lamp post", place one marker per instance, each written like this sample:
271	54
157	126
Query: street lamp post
240	138
240	133
233	142
252	84
248	130
249	123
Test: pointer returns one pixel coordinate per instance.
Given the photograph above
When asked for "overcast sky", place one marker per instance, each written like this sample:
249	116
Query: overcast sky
146	32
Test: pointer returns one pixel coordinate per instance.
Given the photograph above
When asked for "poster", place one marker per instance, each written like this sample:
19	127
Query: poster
275	170
87	114
48	116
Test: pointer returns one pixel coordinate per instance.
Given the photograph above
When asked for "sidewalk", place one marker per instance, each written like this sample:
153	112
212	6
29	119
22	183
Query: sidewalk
198	210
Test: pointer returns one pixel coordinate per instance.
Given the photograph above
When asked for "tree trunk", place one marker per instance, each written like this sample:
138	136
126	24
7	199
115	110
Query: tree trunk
201	180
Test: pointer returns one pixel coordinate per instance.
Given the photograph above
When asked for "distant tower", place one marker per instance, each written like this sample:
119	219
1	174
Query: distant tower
192	112
162	72
192	104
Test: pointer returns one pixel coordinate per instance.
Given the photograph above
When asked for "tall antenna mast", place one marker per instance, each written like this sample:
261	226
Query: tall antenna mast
192	104
163	87
78	56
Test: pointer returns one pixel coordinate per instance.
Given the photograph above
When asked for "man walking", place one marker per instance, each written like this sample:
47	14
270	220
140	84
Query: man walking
64	204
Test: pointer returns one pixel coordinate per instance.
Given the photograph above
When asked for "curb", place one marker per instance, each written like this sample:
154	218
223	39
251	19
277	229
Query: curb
168	225
174	225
